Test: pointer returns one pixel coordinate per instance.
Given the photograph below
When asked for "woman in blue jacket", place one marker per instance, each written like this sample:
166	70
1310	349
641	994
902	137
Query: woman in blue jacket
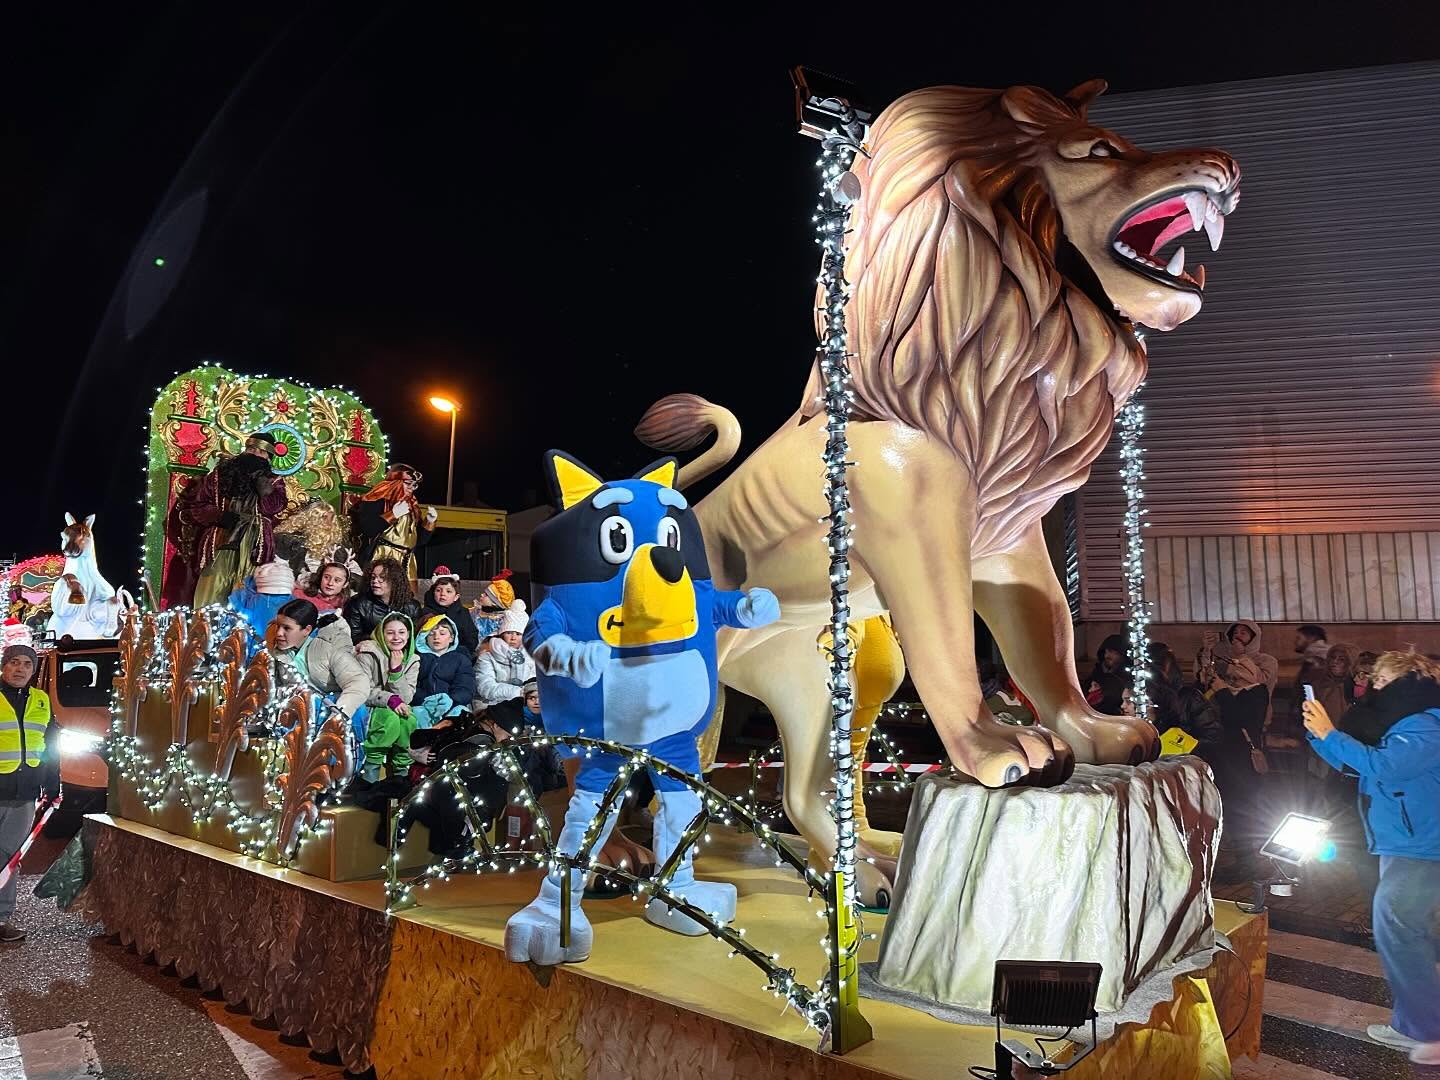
1394	748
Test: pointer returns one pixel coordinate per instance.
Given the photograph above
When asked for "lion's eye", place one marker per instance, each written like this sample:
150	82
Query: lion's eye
1103	149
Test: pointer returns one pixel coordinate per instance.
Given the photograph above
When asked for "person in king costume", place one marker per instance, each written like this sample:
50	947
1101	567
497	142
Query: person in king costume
387	522
222	526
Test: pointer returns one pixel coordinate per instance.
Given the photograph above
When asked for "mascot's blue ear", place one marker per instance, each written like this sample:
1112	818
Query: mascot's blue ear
662	472
570	482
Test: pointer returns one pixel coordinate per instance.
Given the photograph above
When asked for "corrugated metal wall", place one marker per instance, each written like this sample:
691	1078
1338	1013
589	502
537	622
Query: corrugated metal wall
1305	397
1342	577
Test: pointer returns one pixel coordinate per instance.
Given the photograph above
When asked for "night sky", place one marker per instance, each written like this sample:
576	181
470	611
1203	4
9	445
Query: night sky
555	221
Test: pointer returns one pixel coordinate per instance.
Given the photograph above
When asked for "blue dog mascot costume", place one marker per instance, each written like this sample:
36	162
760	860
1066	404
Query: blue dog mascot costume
623	636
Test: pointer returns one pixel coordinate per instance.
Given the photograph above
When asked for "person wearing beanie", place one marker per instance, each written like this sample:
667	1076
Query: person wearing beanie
262	595
446	684
504	666
29	764
530	713
443	598
493	603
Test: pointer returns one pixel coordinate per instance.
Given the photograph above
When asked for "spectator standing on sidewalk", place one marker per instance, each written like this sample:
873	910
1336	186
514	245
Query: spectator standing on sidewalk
29	765
1394	748
1110	678
1313	650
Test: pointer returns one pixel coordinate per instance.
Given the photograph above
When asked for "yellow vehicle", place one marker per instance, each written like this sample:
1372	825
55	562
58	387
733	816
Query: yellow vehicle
78	676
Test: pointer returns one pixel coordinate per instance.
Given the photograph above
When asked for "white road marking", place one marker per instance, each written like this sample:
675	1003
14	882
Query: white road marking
64	1053
1316	1009
1320	951
11	1065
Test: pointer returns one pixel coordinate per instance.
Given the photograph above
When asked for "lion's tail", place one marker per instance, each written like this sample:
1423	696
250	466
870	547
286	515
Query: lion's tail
681	422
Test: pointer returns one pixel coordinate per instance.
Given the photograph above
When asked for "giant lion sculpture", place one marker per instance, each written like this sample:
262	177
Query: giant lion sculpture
1003	250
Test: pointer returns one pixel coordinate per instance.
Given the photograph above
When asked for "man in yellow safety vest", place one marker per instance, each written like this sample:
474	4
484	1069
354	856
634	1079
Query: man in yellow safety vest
29	764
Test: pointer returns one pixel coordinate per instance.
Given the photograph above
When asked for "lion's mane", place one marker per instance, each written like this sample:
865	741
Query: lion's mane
963	326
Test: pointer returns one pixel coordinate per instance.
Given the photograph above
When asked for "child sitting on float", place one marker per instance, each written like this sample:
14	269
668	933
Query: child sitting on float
504	667
327	588
390	659
492	605
446	683
443	598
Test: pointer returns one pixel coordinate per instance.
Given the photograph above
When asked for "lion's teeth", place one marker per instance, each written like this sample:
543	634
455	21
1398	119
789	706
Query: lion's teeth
1215	229
1176	263
1195	202
1199	275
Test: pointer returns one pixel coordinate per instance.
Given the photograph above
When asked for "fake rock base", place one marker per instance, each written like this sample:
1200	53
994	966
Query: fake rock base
1112	867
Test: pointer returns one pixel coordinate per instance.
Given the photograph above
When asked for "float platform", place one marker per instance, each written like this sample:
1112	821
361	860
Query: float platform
429	993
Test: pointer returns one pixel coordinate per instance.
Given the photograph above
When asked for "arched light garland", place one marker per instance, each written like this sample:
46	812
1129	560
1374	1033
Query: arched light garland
814	1005
1131	421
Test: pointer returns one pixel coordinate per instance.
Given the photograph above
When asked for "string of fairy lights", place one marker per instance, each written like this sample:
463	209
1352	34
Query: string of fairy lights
1131	422
838	189
717	808
207	793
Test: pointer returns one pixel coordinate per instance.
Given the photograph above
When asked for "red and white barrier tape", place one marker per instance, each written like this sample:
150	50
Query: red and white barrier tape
15	860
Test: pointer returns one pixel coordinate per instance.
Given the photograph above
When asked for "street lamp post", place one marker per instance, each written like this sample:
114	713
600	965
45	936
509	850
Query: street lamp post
445	405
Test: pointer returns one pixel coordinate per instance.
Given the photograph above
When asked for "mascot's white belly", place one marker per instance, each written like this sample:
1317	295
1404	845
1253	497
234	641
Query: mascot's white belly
650	697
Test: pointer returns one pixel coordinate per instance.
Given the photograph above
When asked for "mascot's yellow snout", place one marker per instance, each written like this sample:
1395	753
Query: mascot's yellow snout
658	602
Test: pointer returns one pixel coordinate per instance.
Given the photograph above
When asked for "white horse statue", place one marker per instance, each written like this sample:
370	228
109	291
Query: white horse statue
82	603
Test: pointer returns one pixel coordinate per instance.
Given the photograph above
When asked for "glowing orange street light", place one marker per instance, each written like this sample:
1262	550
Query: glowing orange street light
445	405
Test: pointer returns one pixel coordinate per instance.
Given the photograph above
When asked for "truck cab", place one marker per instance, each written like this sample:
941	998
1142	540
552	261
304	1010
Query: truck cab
79	676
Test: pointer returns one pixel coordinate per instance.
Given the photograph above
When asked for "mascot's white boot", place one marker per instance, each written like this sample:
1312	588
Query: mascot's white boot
677	811
533	932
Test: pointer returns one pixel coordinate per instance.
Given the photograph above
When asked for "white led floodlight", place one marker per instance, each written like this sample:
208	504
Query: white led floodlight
1298	839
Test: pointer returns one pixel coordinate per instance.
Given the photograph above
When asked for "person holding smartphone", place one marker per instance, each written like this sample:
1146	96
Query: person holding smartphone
1393	747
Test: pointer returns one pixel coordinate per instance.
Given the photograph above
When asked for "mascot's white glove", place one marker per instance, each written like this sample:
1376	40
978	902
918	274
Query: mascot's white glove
758	607
430	515
400	509
581	661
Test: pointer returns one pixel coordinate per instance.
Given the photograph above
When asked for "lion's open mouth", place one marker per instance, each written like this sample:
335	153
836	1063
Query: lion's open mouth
1142	235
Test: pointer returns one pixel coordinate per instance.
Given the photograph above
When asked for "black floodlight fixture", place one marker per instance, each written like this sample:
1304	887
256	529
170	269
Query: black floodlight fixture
1042	993
822	102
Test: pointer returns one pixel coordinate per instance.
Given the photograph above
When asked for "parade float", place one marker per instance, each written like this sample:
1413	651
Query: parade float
329	450
27	587
958	362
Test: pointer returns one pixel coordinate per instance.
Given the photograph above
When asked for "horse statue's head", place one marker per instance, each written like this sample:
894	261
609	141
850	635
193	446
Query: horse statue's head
76	537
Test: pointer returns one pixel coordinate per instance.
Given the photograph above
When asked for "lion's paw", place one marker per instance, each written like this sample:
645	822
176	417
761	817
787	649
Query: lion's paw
1002	755
1107	740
